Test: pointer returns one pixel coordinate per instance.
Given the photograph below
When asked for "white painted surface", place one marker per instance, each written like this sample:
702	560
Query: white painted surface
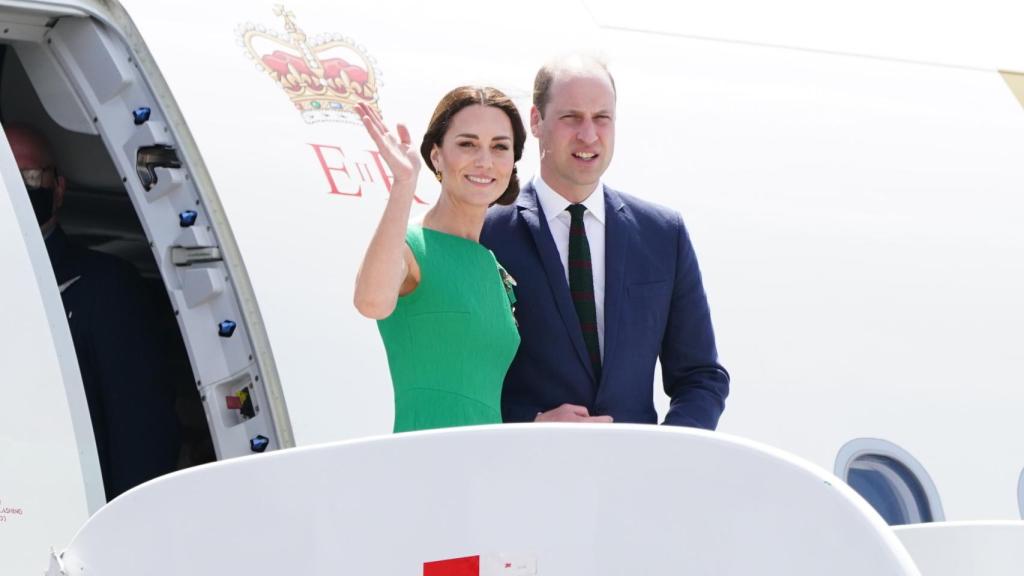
49	475
857	223
578	500
856	220
966	548
981	34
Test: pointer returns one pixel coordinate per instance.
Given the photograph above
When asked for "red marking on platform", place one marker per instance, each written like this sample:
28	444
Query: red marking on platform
465	566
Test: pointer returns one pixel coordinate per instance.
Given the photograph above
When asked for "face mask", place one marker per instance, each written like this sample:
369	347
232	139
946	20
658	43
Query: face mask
42	202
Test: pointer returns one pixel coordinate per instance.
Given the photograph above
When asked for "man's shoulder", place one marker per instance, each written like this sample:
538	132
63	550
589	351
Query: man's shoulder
644	211
498	223
503	216
498	212
106	268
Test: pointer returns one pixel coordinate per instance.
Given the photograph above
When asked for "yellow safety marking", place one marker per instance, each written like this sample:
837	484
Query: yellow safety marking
1016	82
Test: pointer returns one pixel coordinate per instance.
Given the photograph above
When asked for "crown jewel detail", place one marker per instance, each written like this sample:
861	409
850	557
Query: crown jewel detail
324	76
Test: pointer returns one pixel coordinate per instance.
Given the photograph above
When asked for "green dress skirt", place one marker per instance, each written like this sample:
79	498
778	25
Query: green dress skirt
450	341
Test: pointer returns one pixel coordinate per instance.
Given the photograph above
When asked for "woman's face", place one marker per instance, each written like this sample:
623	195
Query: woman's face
475	157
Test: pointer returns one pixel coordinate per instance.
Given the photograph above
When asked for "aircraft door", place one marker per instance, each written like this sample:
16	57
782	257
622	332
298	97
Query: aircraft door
50	479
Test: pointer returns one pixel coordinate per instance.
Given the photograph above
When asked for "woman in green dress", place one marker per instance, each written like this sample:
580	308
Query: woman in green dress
443	304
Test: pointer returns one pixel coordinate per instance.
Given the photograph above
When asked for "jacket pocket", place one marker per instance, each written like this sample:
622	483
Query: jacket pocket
648	303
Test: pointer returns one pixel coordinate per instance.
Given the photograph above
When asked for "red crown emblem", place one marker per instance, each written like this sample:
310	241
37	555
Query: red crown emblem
325	76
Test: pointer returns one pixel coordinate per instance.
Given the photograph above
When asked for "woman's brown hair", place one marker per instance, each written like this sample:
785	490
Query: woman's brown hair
463	97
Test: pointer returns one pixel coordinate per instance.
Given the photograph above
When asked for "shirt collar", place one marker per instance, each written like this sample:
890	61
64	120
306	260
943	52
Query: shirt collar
554	203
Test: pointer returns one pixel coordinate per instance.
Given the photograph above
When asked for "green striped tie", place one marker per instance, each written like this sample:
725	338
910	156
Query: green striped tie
581	285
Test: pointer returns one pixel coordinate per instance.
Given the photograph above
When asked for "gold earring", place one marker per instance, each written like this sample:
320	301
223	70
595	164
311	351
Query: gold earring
438	175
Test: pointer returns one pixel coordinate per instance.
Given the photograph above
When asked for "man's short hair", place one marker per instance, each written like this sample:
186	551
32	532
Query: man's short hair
26	138
546	76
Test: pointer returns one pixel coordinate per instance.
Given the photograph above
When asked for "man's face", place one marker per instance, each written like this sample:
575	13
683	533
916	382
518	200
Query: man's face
576	133
45	188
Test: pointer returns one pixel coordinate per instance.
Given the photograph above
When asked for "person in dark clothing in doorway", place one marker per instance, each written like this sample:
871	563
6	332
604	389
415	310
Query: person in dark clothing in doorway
111	318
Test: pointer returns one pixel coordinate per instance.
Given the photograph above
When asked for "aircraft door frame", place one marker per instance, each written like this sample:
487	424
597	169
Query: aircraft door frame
50	480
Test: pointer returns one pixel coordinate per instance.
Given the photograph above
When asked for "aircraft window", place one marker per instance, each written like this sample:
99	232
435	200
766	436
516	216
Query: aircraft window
891	480
1020	493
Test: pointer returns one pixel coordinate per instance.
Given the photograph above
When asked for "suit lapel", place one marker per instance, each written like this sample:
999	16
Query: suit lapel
530	212
618	233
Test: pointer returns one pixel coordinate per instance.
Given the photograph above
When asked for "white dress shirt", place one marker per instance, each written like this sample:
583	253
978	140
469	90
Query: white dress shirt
554	206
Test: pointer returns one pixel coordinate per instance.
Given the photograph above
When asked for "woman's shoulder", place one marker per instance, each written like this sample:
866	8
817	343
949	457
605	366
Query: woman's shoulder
414	237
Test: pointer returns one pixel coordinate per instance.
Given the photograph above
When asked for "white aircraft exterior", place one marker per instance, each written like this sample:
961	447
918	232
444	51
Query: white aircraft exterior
851	182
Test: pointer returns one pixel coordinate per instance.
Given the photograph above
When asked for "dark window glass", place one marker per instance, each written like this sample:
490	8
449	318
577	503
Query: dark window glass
891	488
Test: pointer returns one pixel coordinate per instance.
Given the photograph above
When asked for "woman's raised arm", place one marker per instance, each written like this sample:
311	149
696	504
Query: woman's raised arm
389	268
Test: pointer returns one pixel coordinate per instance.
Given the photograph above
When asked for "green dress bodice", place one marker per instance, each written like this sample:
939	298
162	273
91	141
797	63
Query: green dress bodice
450	341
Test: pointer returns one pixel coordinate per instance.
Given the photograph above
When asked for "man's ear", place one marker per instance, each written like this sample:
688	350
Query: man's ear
535	121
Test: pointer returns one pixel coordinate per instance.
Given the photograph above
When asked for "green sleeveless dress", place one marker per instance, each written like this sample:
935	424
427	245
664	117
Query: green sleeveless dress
450	341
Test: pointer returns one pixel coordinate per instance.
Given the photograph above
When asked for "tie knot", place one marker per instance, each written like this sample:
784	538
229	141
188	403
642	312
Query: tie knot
576	210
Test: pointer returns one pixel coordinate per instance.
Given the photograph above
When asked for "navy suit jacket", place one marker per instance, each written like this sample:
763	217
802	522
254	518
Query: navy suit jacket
655	307
121	359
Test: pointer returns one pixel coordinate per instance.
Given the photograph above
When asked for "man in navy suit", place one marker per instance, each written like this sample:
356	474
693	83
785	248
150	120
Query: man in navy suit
607	283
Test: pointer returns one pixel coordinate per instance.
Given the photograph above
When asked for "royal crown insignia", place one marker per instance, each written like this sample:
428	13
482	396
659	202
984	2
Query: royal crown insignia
325	76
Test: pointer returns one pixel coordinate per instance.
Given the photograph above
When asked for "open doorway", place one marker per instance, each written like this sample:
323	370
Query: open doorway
137	189
98	215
